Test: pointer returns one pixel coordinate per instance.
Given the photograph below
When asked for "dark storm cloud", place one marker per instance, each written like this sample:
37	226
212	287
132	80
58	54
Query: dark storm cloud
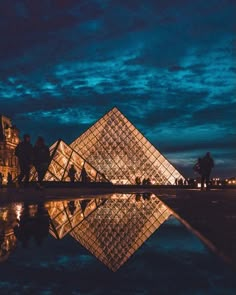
168	65
217	113
166	110
196	146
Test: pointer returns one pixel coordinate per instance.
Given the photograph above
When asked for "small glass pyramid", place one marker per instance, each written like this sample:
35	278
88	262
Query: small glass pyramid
62	157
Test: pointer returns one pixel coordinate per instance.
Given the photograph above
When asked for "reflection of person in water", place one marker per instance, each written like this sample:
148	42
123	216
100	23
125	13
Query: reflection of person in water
146	196
143	196
36	226
23	229
71	207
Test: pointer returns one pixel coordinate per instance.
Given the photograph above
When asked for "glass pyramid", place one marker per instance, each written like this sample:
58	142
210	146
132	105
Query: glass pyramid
62	157
116	148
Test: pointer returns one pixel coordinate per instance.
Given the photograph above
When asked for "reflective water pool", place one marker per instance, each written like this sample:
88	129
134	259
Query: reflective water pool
111	244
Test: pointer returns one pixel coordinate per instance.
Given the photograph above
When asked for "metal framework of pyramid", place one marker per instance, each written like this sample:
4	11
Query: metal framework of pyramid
116	148
112	229
62	157
63	220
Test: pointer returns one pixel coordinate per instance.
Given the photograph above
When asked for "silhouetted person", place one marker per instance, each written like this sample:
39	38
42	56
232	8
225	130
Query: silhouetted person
137	180
24	152
41	159
148	181
180	181
9	179
207	163
71	173
83	175
2	236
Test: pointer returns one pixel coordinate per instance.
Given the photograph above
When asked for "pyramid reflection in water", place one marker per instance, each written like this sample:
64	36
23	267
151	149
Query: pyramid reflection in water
111	229
66	215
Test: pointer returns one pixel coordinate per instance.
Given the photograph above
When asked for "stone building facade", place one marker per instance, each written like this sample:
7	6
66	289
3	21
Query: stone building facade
9	138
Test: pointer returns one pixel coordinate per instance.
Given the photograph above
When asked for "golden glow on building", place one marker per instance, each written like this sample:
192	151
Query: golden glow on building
8	219
9	138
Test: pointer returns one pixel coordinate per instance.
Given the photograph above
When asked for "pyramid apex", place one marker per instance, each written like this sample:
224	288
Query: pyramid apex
115	109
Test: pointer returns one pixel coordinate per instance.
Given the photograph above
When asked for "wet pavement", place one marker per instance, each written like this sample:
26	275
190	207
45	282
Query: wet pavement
211	214
107	244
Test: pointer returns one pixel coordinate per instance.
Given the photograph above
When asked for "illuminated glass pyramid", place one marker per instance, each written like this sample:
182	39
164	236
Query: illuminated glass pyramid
62	157
116	148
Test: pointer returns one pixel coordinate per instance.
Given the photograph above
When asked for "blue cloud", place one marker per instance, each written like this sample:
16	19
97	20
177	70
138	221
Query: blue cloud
168	65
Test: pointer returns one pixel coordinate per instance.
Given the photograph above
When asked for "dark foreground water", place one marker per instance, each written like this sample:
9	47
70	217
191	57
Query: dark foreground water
118	244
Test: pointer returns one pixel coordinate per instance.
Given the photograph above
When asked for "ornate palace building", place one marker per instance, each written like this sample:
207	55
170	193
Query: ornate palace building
9	138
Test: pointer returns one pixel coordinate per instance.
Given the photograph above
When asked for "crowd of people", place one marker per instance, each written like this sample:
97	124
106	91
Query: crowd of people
39	157
28	156
84	178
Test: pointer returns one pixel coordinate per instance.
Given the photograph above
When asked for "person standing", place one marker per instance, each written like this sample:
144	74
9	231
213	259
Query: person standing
24	153
9	179
71	173
41	159
83	175
206	165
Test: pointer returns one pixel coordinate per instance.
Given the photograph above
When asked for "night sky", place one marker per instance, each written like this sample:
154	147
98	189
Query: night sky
169	66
